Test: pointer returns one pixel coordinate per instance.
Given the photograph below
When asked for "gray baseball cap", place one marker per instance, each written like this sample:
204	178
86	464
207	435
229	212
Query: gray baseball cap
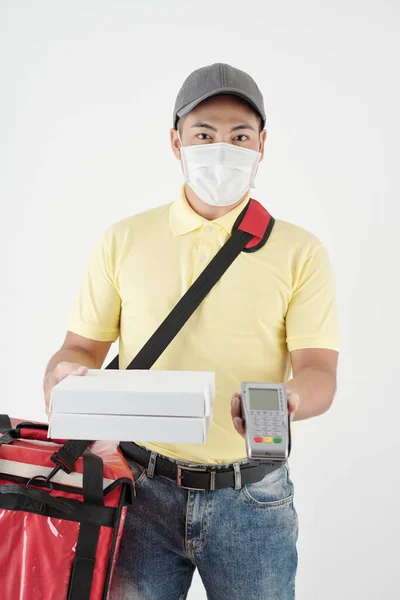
214	80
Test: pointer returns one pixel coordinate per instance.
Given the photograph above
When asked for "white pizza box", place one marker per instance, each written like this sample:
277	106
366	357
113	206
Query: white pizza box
118	428
135	392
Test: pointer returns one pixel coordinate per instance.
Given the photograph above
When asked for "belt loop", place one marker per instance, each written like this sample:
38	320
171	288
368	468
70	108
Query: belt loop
238	476
151	465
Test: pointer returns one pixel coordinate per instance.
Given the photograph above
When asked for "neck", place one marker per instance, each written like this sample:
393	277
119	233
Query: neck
206	210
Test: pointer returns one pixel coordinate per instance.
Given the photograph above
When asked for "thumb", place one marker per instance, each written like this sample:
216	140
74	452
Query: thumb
80	370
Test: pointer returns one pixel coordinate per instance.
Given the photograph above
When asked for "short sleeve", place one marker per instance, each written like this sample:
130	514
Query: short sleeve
311	318
95	313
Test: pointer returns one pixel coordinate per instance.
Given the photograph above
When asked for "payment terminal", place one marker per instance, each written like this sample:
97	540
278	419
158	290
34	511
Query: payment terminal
267	426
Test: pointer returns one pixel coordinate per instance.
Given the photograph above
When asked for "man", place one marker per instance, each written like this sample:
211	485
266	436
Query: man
272	311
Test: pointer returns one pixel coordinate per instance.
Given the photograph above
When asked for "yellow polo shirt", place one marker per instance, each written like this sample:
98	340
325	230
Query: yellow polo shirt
267	304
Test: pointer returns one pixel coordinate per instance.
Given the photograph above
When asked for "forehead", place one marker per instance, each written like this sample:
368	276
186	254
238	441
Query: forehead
223	109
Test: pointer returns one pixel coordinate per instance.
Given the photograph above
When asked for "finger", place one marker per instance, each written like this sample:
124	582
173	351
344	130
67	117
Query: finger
239	425
62	370
235	406
292	411
75	369
81	370
48	386
293	404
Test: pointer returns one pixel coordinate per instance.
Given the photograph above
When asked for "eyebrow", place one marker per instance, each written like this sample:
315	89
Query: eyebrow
236	128
243	126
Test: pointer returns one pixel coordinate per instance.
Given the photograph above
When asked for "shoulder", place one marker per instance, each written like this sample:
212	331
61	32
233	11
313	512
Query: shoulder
298	247
136	225
294	236
147	218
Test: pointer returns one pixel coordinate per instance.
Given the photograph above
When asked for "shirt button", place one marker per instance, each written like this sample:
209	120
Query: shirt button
208	229
203	257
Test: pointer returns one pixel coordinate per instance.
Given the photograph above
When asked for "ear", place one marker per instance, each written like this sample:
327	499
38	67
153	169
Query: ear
175	144
263	139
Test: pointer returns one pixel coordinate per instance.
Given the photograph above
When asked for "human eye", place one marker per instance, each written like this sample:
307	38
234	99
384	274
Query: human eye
203	136
241	138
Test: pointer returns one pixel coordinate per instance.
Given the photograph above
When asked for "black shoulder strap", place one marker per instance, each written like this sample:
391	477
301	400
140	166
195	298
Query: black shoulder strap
250	232
5	423
5	430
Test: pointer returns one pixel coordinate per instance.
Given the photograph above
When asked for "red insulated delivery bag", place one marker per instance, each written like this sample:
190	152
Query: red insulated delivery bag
59	531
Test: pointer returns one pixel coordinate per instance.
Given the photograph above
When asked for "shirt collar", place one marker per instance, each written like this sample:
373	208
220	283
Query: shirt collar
184	219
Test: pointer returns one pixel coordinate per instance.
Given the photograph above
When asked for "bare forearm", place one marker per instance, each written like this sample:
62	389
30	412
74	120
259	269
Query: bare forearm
316	389
73	355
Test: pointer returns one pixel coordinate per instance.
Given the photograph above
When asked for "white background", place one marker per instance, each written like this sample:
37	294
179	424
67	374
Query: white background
87	93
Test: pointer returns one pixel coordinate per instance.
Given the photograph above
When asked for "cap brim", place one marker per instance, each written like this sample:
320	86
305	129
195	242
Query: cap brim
219	92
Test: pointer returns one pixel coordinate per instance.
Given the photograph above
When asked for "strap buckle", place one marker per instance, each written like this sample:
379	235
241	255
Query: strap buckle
202	469
7	436
60	464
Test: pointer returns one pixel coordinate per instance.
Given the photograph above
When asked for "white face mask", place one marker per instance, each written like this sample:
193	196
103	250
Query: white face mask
219	173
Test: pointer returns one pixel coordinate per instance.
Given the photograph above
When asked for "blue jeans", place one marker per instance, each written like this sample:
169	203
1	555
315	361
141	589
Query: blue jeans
242	541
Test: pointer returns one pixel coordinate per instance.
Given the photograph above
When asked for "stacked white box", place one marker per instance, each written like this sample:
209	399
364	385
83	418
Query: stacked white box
129	405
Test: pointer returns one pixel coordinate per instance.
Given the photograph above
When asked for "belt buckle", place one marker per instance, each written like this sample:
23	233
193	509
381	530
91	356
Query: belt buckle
202	469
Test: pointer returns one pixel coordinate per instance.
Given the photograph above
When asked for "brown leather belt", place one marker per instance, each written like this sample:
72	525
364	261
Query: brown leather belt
199	478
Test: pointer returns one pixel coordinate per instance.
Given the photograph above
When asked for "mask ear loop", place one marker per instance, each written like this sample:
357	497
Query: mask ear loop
255	170
185	170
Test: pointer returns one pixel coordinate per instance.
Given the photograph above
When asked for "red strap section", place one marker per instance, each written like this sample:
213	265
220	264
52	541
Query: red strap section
255	221
38	434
